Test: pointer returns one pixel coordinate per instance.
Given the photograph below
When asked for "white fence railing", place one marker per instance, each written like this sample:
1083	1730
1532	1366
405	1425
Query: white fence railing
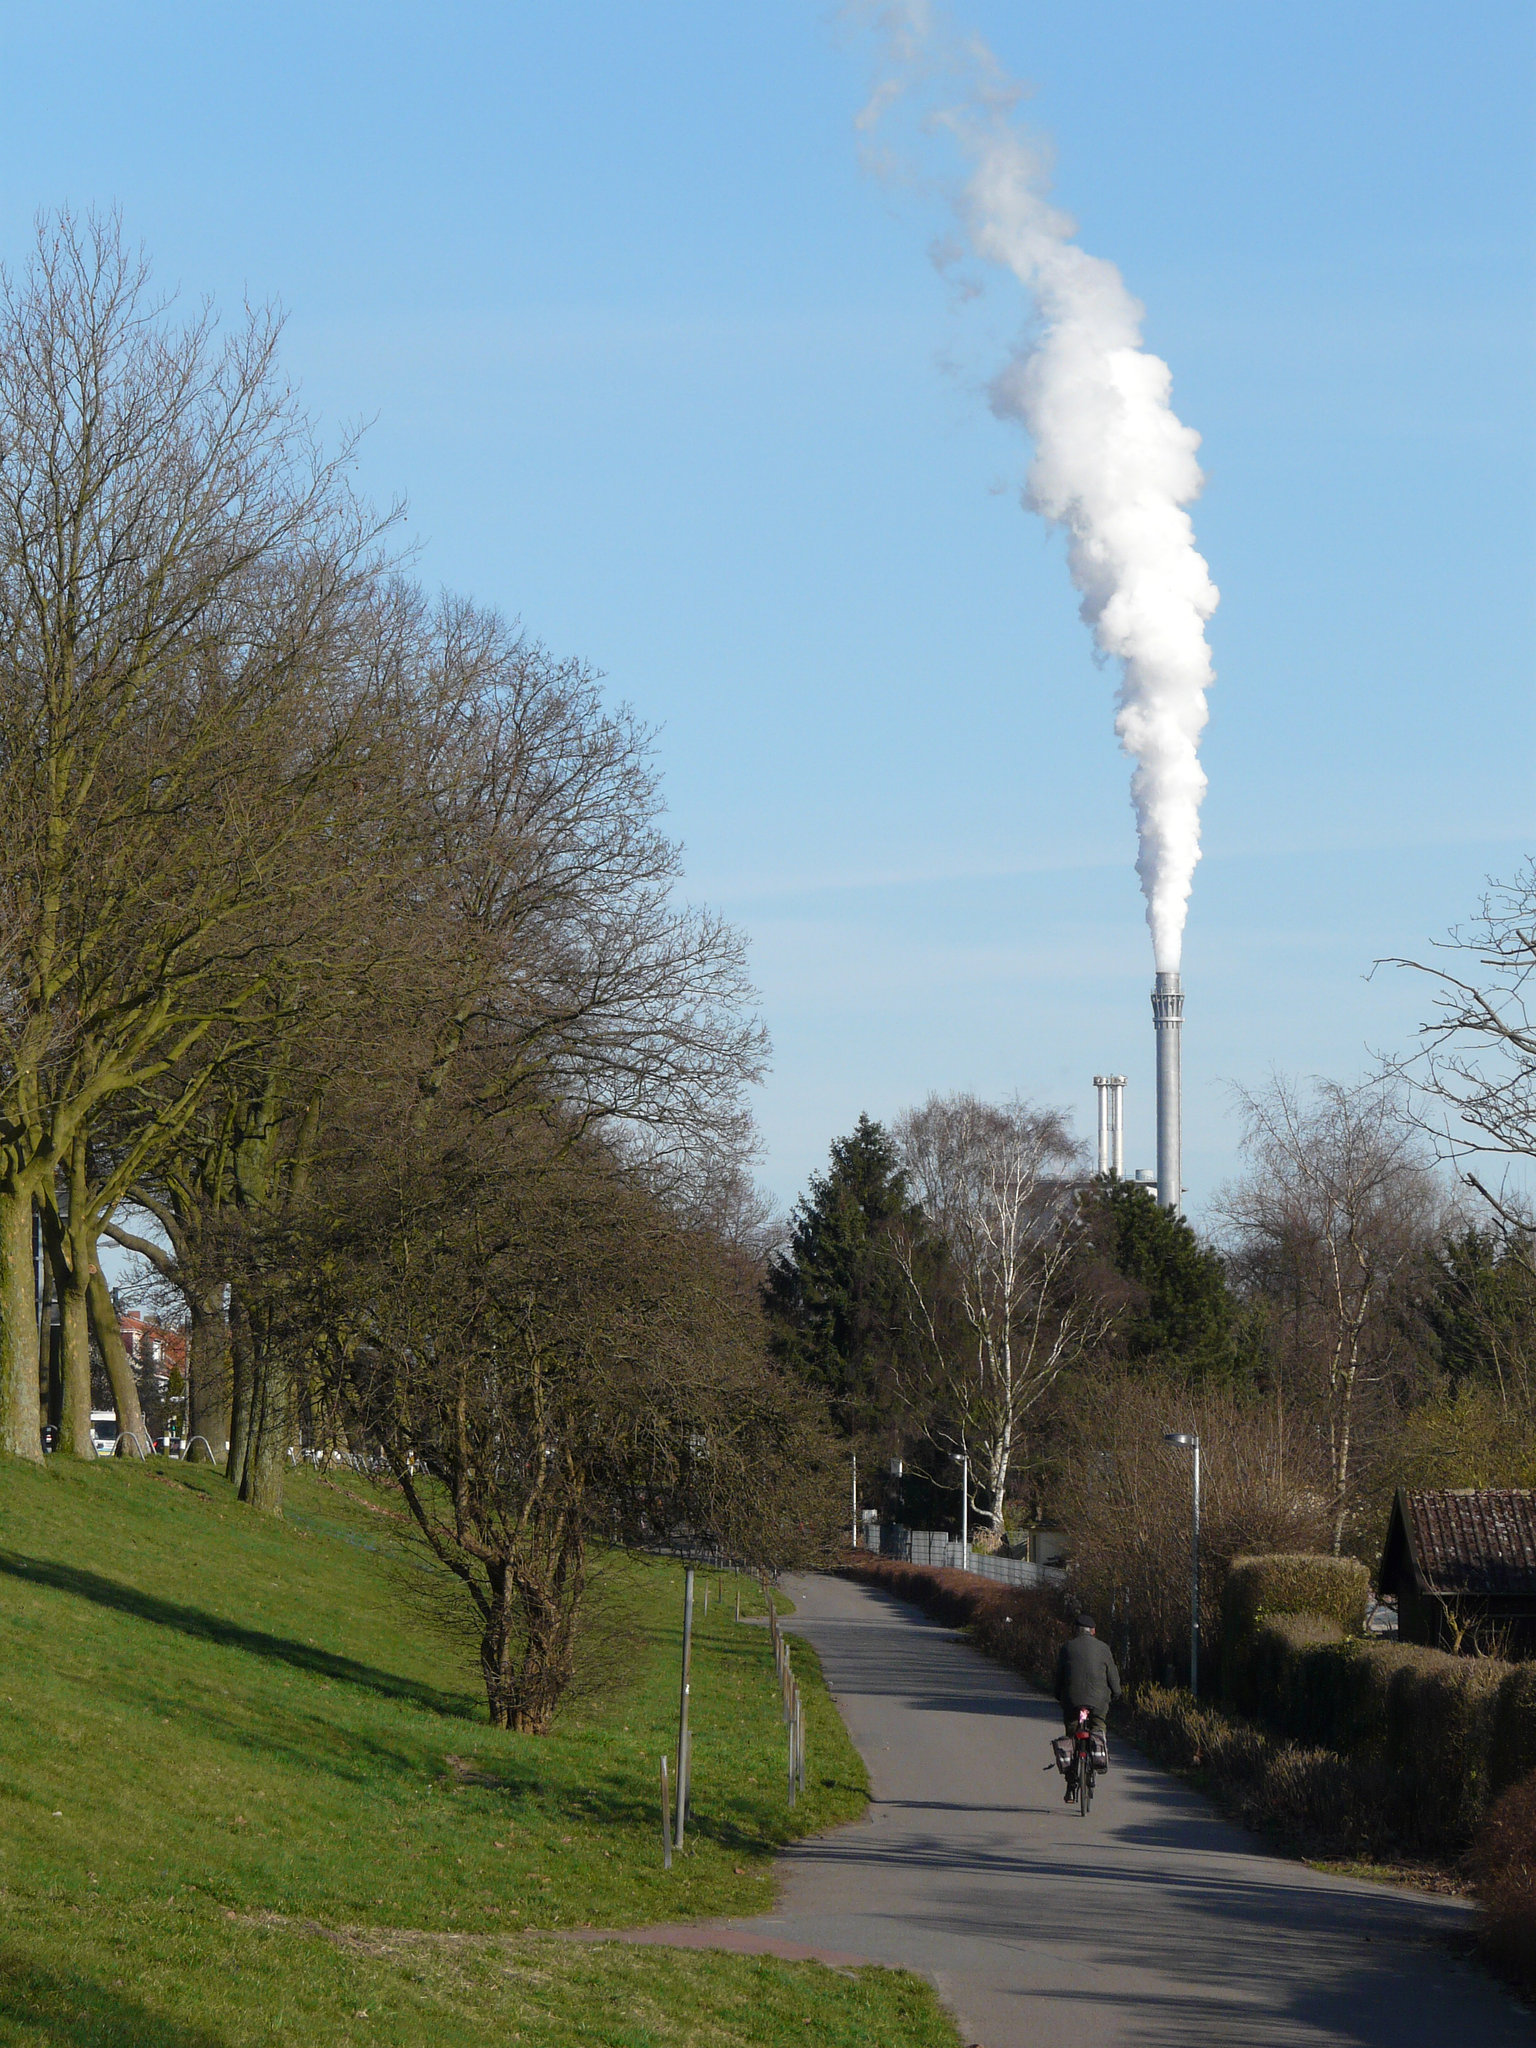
937	1547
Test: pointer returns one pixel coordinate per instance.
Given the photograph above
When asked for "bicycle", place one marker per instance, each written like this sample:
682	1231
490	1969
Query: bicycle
1080	1757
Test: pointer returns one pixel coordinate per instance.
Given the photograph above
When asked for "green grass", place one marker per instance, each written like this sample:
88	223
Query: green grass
247	1795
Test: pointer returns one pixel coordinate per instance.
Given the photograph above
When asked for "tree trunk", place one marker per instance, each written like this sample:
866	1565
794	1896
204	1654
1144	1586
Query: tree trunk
50	1369
998	1461
114	1353
242	1378
74	1338
549	1643
209	1390
266	1461
524	1698
21	1422
1341	1465
75	1349
496	1650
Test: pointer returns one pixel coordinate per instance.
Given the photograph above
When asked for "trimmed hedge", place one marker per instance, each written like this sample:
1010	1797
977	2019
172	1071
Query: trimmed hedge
1439	1745
1257	1588
1443	1735
1512	1755
1504	1872
1289	1675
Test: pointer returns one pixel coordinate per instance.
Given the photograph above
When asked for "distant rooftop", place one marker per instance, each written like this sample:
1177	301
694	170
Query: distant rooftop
1467	1541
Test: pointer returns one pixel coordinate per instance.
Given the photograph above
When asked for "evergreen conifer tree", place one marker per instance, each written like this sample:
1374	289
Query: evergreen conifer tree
833	1295
1186	1313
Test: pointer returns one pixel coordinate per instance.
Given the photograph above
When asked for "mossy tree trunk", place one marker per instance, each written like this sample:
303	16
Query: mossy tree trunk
21	1431
69	1287
114	1353
266	1461
242	1387
209	1392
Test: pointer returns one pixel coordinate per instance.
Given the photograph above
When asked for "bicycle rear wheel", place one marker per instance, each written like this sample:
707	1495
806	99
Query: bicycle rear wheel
1084	1784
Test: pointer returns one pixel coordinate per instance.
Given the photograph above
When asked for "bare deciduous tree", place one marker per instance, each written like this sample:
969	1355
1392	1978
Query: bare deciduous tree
989	1272
1124	1495
1474	1075
1338	1208
550	1358
176	566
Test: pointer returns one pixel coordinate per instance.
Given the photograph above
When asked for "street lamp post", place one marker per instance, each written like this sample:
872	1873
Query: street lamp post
1189	1442
963	1460
855	1500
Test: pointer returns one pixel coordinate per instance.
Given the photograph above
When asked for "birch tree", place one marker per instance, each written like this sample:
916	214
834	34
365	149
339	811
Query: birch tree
996	1315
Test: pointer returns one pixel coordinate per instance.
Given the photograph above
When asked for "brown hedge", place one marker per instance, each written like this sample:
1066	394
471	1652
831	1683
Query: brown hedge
1503	1865
1257	1588
1312	1797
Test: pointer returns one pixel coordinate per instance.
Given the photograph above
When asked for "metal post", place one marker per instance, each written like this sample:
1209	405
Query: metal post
963	1458
682	1709
1194	1586
790	1719
1186	1440
855	1500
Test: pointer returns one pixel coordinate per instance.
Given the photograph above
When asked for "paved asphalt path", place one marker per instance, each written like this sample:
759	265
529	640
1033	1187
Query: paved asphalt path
1151	1923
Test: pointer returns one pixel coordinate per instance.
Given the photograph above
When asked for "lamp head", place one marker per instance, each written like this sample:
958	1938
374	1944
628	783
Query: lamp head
1180	1437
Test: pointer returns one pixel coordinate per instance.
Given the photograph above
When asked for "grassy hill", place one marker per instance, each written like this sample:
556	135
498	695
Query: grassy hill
248	1795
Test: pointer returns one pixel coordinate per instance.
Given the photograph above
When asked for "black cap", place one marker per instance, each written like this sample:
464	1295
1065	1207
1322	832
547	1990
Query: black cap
1086	1621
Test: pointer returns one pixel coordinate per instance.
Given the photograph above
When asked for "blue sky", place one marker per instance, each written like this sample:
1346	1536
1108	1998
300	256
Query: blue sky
663	373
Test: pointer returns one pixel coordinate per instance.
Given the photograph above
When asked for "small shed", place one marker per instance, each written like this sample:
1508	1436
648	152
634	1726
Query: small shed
1461	1564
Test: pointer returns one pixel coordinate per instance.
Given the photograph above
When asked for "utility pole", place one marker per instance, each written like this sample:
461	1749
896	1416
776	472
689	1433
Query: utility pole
1189	1442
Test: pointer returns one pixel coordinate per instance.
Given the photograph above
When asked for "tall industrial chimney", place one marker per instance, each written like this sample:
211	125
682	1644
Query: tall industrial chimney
1168	1021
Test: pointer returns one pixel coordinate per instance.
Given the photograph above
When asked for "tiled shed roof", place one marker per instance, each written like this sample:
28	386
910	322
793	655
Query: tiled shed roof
1481	1542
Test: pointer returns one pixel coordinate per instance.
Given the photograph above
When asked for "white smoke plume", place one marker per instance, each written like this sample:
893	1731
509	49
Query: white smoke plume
1113	464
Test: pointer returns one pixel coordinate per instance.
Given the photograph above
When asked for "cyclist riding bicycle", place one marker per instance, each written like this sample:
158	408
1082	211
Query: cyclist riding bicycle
1085	1677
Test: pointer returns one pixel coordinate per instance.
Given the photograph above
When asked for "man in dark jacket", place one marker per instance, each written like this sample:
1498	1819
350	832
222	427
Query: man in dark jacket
1086	1677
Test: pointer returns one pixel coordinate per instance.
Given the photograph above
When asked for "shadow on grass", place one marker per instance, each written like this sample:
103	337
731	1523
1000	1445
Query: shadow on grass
73	2011
229	1635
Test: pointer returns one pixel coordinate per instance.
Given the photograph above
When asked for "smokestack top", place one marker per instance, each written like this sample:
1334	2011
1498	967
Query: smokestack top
1168	998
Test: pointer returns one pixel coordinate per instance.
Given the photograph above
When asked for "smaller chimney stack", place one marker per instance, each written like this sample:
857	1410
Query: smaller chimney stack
1111	1091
